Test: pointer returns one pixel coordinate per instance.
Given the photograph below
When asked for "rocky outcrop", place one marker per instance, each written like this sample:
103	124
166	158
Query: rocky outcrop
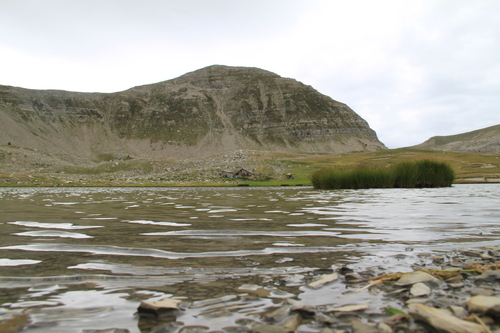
486	140
212	110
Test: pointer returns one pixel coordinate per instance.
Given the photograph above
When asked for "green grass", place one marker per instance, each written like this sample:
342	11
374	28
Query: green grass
412	174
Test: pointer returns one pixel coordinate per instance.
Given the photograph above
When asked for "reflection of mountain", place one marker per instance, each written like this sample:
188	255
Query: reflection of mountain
212	110
486	140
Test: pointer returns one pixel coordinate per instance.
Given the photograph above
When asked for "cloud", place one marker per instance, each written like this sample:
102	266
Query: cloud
412	69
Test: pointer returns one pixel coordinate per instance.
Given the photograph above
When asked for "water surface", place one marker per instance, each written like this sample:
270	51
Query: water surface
84	258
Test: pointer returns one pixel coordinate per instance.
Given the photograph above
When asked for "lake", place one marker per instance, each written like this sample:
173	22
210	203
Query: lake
76	259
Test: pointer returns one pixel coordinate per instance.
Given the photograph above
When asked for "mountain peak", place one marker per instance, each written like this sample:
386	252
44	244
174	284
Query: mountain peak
216	109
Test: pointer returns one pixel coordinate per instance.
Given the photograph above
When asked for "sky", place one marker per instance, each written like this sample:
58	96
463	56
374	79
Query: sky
412	69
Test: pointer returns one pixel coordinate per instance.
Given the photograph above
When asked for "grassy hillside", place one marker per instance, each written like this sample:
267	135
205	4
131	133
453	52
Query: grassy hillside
485	140
473	135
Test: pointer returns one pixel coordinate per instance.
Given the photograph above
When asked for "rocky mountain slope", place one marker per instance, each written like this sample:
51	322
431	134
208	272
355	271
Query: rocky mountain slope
486	140
213	110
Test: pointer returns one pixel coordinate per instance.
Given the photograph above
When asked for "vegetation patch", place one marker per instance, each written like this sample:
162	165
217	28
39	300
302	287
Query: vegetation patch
412	174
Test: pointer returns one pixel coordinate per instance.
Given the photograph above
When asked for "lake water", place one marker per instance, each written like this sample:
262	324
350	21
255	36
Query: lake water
75	259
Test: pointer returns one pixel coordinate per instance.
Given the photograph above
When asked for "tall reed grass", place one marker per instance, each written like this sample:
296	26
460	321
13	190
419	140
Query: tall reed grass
424	173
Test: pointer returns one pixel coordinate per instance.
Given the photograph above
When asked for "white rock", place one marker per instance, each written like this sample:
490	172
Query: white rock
420	289
443	320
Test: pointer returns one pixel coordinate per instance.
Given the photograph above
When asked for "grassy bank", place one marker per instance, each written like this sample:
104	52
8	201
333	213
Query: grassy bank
412	174
271	169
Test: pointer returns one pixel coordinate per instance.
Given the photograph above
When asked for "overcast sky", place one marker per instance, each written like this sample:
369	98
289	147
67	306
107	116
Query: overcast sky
412	68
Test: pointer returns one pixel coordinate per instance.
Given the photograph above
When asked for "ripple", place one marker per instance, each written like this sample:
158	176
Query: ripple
155	253
18	262
218	233
168	224
67	226
302	225
62	234
287	244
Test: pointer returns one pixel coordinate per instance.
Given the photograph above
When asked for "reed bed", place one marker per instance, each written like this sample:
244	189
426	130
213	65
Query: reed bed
414	174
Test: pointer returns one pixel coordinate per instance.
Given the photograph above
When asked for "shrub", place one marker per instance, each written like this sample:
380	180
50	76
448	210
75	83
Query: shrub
423	173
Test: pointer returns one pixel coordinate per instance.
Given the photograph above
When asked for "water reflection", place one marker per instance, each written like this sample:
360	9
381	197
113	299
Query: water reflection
83	258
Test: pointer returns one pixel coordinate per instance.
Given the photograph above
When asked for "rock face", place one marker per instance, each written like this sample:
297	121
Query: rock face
212	110
486	140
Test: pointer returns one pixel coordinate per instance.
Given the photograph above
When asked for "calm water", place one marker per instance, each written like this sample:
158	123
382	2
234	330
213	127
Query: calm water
84	258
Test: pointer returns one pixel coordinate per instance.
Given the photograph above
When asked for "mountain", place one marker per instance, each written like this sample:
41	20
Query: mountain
486	140
213	110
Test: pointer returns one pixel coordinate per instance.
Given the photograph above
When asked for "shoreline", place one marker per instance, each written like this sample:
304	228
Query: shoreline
461	181
455	292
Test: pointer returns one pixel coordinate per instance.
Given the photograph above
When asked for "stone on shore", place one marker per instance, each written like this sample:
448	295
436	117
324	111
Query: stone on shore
442	320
